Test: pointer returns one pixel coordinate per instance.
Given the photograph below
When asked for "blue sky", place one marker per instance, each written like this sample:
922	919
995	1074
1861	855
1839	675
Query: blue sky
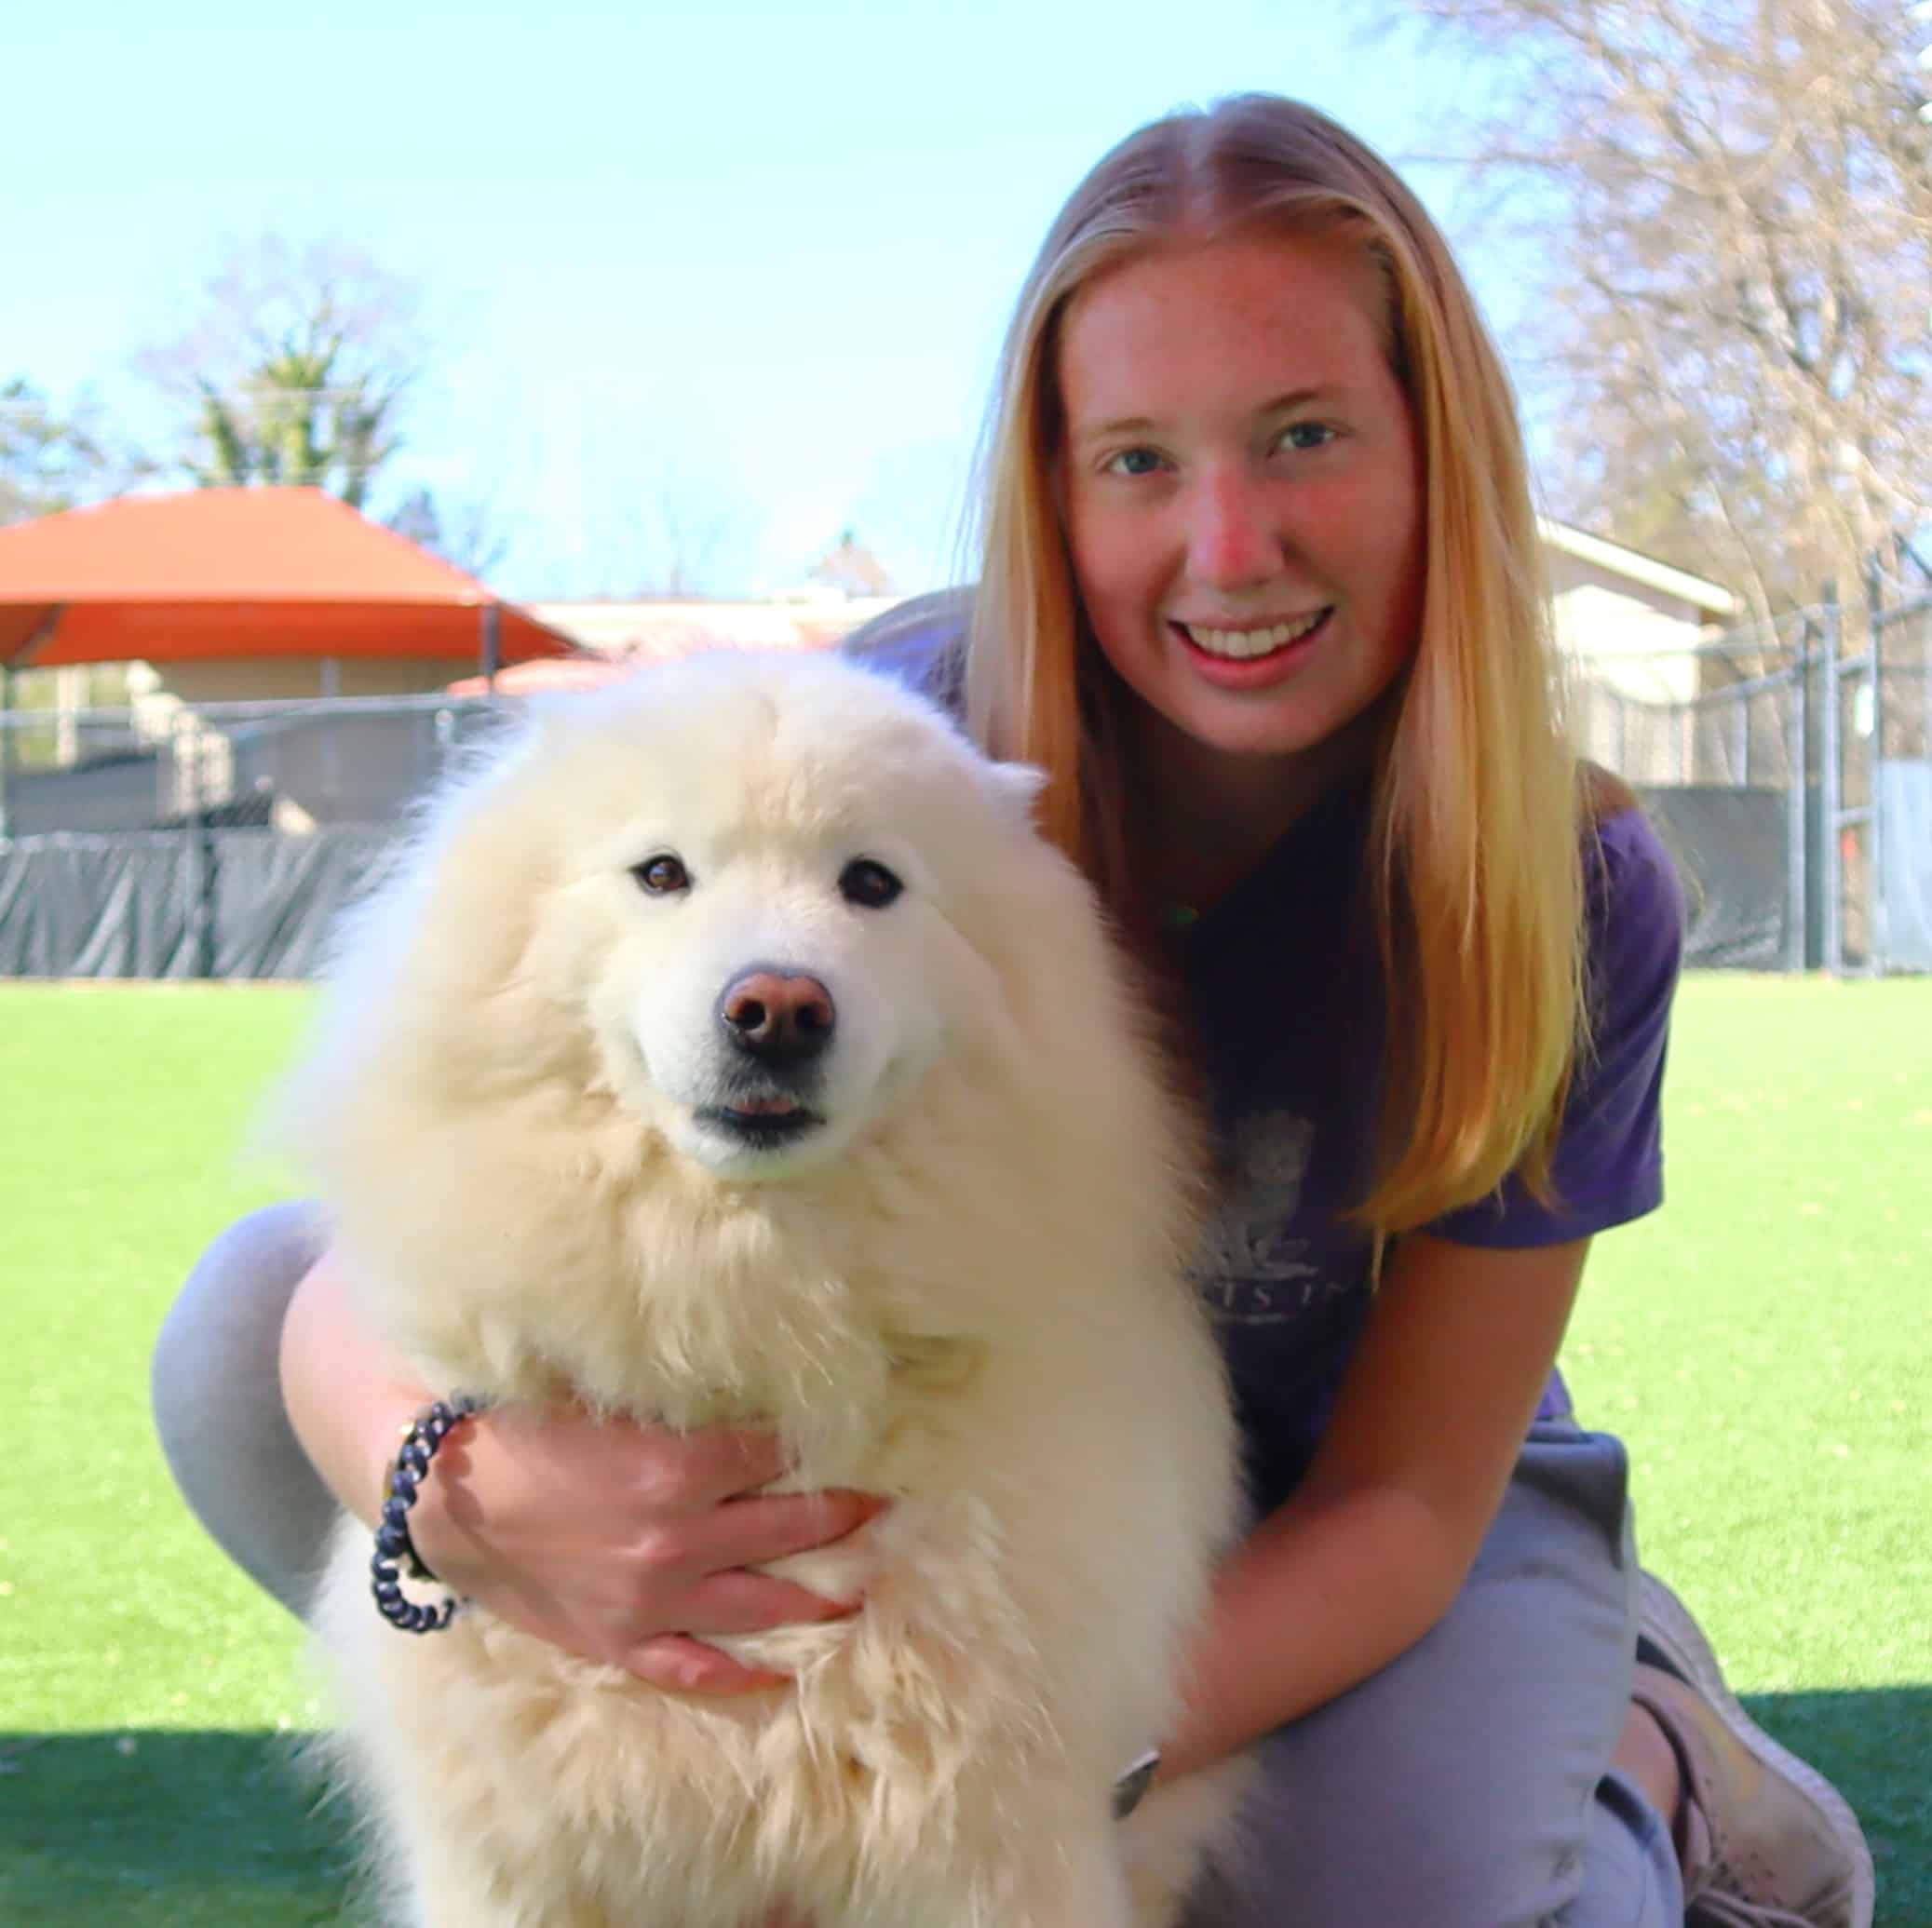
744	266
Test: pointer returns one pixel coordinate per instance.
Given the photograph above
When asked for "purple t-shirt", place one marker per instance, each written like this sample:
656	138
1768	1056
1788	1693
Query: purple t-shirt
1284	986
1283	979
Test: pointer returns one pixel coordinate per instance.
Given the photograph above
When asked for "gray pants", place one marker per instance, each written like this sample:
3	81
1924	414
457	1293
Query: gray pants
1464	1786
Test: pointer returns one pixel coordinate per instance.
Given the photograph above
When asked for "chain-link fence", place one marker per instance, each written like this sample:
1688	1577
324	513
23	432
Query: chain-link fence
1715	771
159	840
1793	784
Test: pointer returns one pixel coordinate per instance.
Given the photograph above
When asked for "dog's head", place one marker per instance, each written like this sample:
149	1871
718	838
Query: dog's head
740	894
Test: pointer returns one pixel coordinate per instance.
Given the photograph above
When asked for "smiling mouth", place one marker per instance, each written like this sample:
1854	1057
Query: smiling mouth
761	1122
1249	645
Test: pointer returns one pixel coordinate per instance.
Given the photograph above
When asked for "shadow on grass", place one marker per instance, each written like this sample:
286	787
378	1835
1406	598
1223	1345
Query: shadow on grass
186	1831
165	1830
1876	1747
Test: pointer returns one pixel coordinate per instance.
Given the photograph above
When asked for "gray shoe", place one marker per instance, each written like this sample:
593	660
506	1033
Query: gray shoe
1767	1842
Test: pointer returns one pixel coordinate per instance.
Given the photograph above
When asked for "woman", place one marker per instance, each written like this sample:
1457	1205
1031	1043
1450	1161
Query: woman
1260	595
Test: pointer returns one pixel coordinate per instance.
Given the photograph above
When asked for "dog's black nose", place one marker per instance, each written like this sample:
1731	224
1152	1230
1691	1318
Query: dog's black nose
776	1017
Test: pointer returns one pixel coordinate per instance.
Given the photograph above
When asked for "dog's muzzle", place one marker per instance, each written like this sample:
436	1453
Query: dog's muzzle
781	1019
776	1025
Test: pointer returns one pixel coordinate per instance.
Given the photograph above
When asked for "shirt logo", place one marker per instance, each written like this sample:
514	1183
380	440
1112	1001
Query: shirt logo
1251	1267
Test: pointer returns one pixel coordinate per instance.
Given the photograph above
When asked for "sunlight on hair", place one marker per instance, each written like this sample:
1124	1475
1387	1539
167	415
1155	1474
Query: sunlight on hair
1477	801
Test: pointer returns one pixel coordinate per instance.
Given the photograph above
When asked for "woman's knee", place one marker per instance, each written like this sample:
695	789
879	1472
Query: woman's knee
227	1320
216	1388
1456	1786
1420	1840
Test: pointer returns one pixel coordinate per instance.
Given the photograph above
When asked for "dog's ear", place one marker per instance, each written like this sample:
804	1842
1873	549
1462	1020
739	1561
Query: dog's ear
1018	786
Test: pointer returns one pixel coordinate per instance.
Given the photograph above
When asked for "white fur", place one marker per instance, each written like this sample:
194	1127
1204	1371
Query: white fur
965	1291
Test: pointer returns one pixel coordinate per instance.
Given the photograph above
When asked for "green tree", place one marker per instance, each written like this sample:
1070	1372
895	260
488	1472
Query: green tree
295	372
50	458
852	568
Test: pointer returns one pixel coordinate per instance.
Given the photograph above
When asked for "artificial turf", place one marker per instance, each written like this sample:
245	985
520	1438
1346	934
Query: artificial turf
1761	1345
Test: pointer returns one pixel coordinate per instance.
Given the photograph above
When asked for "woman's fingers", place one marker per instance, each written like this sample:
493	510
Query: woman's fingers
691	1472
742	1602
680	1665
628	1542
748	1533
672	1556
732	1600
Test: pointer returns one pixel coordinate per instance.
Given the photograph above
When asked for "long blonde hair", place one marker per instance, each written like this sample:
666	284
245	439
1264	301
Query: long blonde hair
1476	836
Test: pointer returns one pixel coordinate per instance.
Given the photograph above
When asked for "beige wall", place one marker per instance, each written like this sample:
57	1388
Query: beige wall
1634	638
1628	645
265	678
662	628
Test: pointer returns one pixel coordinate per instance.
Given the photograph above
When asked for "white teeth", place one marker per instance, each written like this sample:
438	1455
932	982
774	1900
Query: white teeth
1242	643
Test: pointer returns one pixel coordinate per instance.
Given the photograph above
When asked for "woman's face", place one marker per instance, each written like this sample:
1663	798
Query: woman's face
1240	480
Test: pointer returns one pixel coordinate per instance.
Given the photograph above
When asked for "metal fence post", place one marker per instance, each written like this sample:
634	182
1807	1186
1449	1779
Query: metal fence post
187	798
490	647
1796	785
1876	944
1832	882
6	749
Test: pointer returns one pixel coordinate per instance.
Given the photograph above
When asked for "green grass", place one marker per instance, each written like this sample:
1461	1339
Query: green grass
1763	1345
142	1682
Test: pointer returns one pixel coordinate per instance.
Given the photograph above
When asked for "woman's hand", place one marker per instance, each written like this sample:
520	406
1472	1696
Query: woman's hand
625	1544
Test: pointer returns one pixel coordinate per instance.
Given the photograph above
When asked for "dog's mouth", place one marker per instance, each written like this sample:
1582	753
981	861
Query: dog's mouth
761	1122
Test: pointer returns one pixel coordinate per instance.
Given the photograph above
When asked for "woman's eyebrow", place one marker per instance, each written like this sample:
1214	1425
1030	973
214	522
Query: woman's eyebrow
1301	397
1085	431
1105	431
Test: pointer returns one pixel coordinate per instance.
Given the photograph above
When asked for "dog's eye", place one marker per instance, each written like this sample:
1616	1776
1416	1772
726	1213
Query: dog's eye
868	884
661	875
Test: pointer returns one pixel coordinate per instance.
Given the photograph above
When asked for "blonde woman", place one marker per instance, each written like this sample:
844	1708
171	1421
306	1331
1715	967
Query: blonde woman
1261	594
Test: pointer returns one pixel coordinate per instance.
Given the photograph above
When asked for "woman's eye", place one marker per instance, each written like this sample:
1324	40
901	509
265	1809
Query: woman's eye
1133	462
661	875
868	884
1307	434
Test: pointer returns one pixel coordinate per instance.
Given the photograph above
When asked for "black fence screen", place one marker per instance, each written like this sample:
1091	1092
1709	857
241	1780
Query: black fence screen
219	903
1732	849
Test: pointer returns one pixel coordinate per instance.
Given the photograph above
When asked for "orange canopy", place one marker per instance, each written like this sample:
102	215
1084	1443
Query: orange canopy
220	573
584	673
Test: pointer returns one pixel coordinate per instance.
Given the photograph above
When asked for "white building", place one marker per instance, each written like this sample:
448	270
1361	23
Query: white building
1627	620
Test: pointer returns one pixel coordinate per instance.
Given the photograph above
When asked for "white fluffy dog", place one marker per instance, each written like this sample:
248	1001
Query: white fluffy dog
729	1049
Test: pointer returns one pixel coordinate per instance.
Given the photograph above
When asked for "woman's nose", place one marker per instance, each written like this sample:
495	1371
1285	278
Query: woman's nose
1232	540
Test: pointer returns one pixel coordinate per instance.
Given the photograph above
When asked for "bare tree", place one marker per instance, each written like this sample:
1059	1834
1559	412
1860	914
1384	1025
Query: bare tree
683	544
1734	211
295	371
463	530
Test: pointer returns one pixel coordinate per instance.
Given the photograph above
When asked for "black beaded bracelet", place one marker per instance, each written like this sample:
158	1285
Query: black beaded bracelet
426	1432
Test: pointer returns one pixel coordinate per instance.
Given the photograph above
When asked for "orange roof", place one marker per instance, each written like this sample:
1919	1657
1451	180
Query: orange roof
584	673
239	573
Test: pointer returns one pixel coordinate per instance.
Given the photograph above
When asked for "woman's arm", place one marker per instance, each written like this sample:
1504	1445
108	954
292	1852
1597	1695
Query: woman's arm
1377	1540
623	1543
